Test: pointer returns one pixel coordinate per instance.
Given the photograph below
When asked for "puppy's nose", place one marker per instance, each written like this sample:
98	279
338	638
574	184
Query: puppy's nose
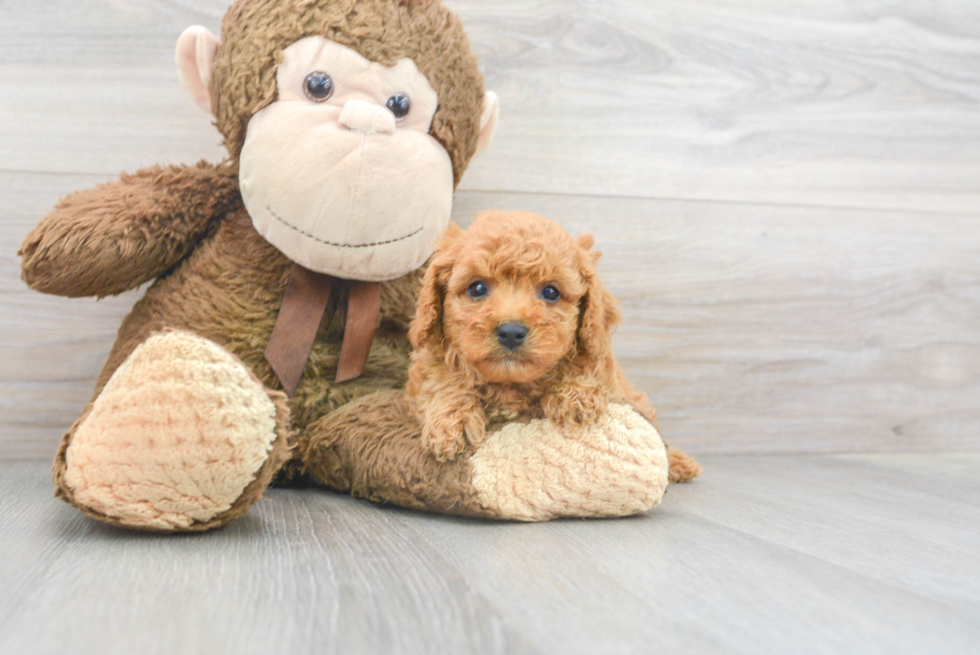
367	118
511	335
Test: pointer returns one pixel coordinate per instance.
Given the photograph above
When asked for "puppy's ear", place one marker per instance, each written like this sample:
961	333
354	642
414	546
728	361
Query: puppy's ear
448	237
426	327
598	314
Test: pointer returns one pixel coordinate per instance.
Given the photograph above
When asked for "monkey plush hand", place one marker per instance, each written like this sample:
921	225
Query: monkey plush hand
284	279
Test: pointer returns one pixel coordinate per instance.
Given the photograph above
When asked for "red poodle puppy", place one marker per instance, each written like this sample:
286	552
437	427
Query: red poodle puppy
512	320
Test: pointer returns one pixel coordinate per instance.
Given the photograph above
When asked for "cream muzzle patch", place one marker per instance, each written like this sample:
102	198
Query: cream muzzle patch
337	174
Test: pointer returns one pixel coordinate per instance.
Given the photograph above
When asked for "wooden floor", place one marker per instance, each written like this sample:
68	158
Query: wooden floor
788	198
779	554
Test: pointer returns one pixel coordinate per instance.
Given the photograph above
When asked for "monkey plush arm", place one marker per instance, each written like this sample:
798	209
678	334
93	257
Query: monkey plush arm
114	237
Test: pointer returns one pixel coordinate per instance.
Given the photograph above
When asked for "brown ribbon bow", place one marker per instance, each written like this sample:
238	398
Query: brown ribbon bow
303	305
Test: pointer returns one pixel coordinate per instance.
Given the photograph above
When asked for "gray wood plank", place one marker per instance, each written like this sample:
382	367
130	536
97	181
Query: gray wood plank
91	86
762	555
879	516
754	328
740	562
867	104
308	573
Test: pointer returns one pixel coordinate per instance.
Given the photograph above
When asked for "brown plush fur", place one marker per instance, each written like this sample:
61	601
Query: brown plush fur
115	237
255	32
229	291
565	370
371	448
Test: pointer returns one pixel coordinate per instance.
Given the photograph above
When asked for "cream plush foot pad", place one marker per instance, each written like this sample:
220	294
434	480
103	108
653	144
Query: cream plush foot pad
535	472
175	437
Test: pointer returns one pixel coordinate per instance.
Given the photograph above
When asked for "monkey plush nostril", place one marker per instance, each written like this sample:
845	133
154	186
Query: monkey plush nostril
367	118
511	335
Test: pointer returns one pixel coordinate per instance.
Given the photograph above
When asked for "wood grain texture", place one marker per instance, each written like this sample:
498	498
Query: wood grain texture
860	554
867	103
871	103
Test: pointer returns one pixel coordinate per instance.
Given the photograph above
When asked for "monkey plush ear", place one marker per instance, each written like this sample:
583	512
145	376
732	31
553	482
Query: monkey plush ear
197	48
488	122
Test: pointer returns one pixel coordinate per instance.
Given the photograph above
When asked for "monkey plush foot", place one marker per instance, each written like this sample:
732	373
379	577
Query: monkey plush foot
537	471
182	437
525	471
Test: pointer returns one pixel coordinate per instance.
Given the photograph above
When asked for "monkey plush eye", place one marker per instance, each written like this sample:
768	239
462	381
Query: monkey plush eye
550	293
399	104
478	290
318	86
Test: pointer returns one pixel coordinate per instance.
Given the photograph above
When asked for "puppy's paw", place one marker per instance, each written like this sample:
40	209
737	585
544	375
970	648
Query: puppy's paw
444	441
575	405
683	467
475	429
447	435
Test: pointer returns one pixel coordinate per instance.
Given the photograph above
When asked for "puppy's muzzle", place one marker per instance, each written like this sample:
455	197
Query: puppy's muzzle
511	335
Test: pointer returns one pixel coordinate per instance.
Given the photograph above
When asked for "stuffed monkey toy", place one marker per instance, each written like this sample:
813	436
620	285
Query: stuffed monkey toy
272	340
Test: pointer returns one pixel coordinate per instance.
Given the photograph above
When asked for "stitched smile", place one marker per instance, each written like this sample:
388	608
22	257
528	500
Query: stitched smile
337	245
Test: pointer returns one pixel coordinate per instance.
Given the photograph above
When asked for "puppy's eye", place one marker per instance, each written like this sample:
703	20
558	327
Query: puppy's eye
477	290
318	86
550	294
399	104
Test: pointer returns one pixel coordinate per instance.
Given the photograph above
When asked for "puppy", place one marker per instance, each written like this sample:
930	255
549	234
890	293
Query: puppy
512	321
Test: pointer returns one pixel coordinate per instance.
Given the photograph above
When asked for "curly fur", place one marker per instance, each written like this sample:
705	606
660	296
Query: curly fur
461	378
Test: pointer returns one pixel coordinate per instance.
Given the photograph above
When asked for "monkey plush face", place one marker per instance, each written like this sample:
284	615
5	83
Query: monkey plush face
340	173
352	122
